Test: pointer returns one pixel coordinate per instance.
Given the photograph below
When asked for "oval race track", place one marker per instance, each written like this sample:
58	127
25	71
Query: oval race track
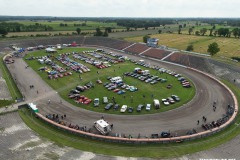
177	121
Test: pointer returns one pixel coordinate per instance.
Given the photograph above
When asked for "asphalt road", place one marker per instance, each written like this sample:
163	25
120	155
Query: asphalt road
178	121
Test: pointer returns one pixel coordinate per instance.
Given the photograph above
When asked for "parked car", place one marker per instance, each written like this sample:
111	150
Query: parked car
176	98
170	100
169	86
108	106
130	109
148	107
165	102
116	106
121	92
96	102
105	100
139	107
124	108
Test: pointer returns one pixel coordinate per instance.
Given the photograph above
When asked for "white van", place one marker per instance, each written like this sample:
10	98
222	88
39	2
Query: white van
102	126
156	103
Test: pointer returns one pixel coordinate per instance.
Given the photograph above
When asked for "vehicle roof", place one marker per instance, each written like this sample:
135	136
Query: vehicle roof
102	123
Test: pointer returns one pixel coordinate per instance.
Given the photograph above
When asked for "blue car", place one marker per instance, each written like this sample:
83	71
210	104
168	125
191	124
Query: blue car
121	92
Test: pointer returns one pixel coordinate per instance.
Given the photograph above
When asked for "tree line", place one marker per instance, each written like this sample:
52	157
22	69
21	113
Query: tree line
136	23
17	27
221	32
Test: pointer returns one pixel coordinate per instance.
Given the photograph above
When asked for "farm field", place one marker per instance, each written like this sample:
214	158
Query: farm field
229	47
145	94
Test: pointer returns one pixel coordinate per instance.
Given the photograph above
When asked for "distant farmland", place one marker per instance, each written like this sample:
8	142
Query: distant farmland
229	47
90	25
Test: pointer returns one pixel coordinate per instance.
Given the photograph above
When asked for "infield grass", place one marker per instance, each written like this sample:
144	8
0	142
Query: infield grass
133	99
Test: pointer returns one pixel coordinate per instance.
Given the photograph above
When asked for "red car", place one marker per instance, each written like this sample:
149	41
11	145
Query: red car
116	90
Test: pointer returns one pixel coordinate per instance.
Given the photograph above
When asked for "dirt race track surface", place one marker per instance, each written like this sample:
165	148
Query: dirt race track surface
177	121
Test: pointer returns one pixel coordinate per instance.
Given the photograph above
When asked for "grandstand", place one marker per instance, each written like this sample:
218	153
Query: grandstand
190	61
156	53
137	48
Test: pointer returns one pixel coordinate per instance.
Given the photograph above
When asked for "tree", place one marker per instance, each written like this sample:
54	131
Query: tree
98	32
78	31
197	33
203	31
189	47
190	30
235	32
159	31
223	32
145	38
179	29
128	28
213	48
105	34
3	31
215	33
210	30
108	29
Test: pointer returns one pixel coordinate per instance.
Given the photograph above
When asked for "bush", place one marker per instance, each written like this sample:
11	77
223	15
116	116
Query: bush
236	58
189	47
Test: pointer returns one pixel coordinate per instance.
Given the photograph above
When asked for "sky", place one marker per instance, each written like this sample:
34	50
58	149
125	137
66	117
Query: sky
121	8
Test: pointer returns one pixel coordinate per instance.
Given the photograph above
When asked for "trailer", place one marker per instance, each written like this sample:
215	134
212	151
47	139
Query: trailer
102	126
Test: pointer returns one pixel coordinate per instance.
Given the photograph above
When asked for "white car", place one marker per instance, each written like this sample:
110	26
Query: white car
124	108
165	102
148	107
96	102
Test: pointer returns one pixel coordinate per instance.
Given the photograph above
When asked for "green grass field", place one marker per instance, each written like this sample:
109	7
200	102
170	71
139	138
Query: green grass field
158	91
14	91
62	138
229	47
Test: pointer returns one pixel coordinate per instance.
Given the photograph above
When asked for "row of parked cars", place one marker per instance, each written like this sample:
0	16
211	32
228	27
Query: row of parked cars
75	94
170	100
92	61
55	71
104	58
185	83
78	67
146	78
119	88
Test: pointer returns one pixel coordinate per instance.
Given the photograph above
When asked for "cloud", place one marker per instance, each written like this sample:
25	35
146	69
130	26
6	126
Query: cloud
121	8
